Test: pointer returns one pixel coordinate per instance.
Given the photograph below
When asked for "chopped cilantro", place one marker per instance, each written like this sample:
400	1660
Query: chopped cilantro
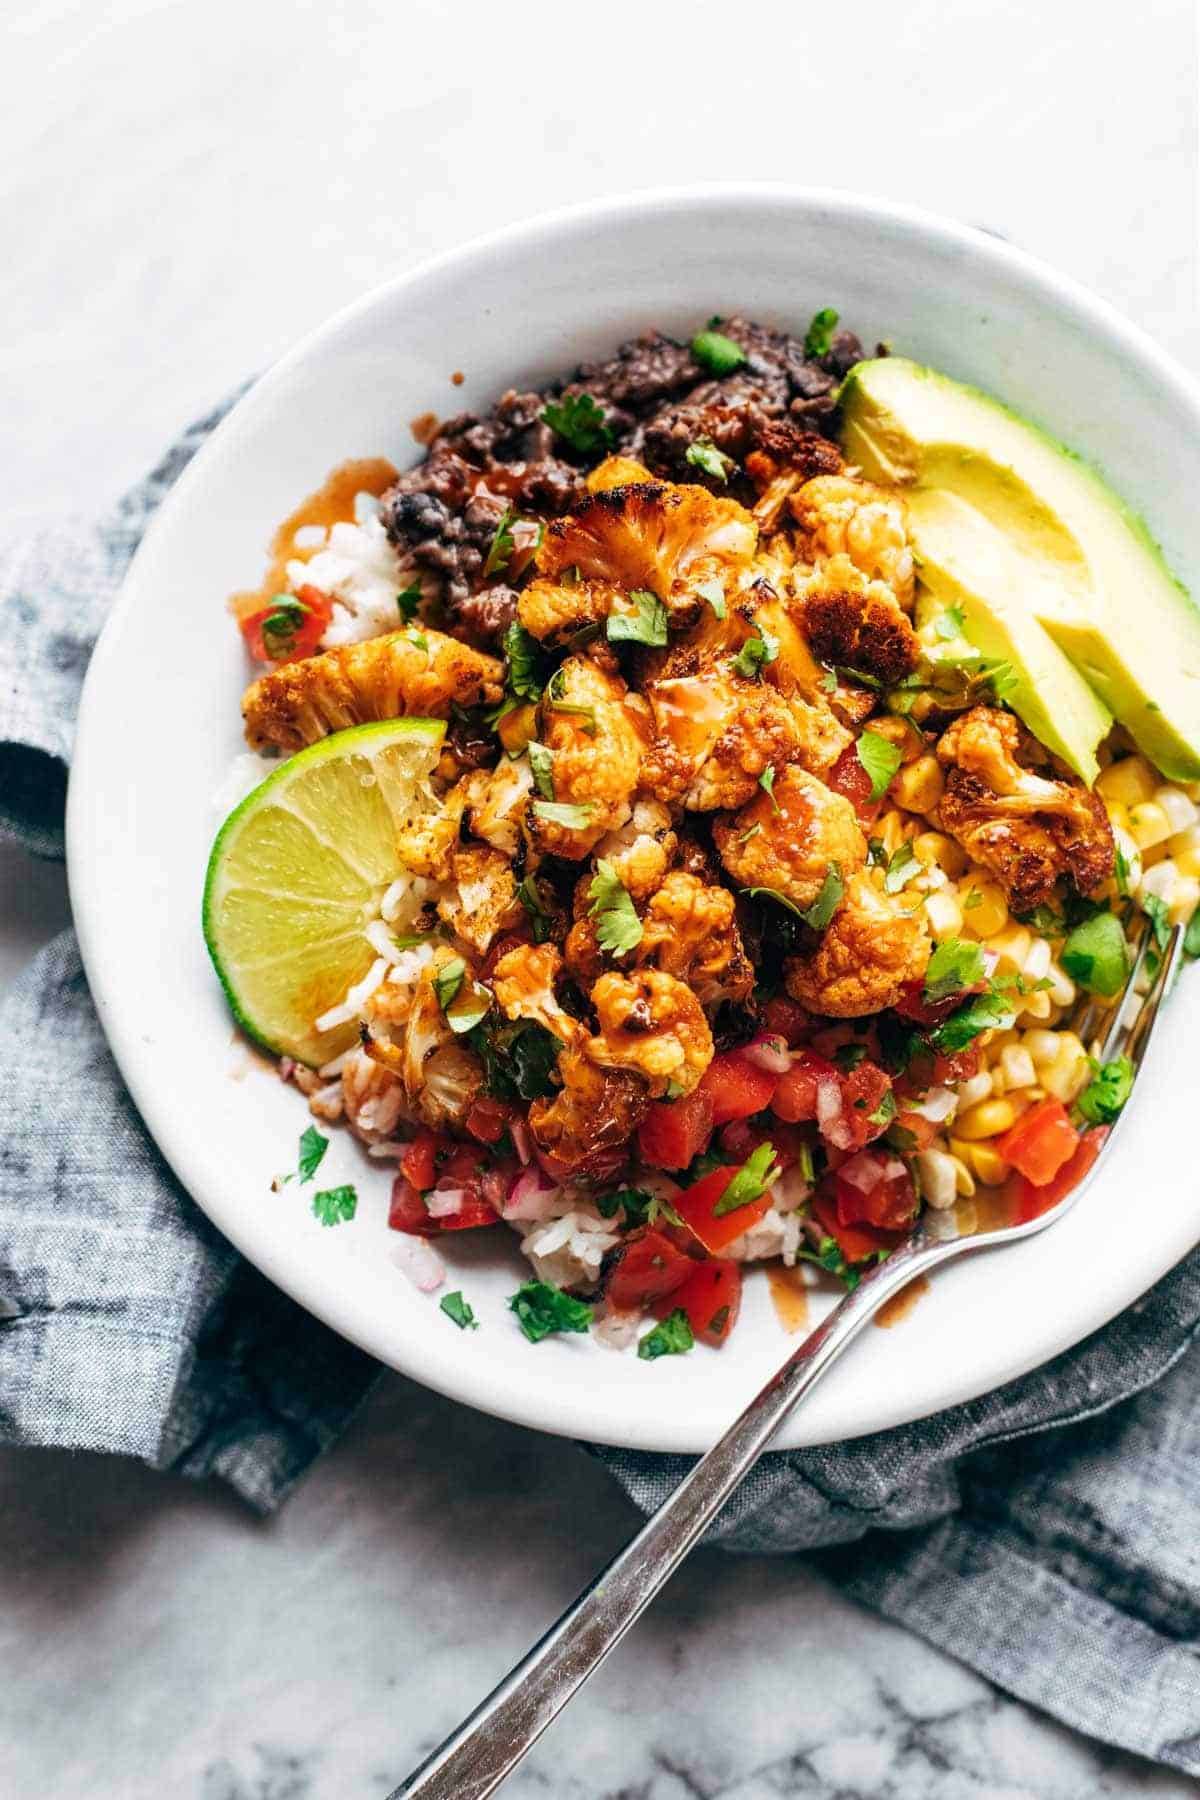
335	1206
555	702
524	655
647	624
819	336
541	761
885	1111
518	1059
501	547
717	354
849	1056
973	899
827	901
704	455
458	1309
903	864
829	682
1121	871
745	839
448	981
409	601
982	1012
954	965
571	815
1096	956
579	422
639	1207
766	782
542	1309
312	1148
750	1182
713	592
1156	911
618	927
950	624
419	639
281	624
756	653
673	1337
881	760
1045	921
529	893
1108	1090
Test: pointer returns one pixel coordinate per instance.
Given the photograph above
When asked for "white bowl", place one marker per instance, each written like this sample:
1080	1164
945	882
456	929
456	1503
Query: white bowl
159	725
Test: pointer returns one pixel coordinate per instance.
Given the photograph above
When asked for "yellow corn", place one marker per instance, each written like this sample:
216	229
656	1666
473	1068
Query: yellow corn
516	729
988	914
891	831
1118	815
1148	825
1184	900
919	785
1036	1006
988	1164
1181	812
1012	946
986	1120
964	1181
1068	1075
1042	1047
1018	1067
975	1088
936	850
1129	781
1062	989
944	914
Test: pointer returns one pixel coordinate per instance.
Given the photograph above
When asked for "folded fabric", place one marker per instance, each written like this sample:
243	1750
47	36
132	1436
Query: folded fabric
1045	1534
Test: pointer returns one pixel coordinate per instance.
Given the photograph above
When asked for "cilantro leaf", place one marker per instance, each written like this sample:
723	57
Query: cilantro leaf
579	422
766	893
281	624
766	782
518	1059
458	1309
713	592
954	965
1045	921
448	981
827	901
982	1012
541	761
829	682
717	354
756	653
704	455
950	624
647	624
819	336
751	1181
1108	1090
672	1337
638	1206
312	1148
885	1111
1156	911
529	893
881	760
571	815
501	548
903	864
335	1206
524	655
1121	871
618	927
542	1309
409	601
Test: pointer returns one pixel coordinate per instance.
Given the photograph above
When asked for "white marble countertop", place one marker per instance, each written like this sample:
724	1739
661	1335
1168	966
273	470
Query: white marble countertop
185	186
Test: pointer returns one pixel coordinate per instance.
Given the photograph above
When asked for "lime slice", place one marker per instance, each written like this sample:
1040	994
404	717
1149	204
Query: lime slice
297	874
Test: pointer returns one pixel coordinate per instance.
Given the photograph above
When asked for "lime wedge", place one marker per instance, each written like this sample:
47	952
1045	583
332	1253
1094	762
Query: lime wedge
297	874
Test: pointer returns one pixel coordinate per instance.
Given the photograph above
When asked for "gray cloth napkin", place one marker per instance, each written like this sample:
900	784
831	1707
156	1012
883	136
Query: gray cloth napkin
1047	1534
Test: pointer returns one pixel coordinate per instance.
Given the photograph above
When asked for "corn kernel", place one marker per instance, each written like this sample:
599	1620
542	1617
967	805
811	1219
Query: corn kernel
1067	1077
999	1080
974	1089
938	1185
988	1164
944	914
891	831
986	1120
1160	880
1011	946
1037	964
1061	991
1018	1067
918	786
1181	812
1042	1046
1148	824
934	848
988	914
1118	815
1129	781
1036	1006
1184	900
1188	861
964	1181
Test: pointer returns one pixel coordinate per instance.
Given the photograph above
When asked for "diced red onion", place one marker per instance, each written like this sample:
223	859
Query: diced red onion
420	1262
768	1051
287	1067
518	1131
441	1202
532	1196
936	1105
864	1171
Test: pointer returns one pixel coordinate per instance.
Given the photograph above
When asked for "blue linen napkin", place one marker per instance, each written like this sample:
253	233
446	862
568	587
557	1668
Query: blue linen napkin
1047	1534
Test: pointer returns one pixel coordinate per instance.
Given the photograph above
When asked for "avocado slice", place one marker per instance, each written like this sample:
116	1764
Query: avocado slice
1072	555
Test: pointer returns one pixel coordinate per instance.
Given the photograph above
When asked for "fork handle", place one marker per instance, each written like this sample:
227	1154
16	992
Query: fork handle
488	1745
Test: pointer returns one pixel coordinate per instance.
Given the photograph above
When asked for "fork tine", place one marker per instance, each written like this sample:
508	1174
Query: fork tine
1143	1025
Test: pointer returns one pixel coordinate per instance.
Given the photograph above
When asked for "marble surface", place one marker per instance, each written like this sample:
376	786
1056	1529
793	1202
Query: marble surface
187	185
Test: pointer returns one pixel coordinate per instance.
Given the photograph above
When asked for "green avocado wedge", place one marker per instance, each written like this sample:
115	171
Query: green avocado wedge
1035	526
297	874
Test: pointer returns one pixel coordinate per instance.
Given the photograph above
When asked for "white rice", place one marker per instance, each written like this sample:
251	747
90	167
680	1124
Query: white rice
569	1250
362	574
356	998
408	965
330	1069
310	537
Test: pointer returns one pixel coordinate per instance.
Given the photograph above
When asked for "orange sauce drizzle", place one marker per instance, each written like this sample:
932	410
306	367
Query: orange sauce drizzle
332	503
789	1296
901	1304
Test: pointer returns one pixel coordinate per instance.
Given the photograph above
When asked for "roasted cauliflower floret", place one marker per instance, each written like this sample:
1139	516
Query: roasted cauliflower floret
425	839
419	672
653	1025
554	609
853	623
617	471
596	734
481	896
584	1130
867	954
523	982
1031	830
496	802
651	535
787	456
837	515
689	931
642	850
405	1031
788	840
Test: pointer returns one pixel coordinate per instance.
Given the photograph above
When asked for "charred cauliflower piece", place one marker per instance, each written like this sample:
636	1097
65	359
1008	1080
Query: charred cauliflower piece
423	673
866	955
642	850
651	535
784	459
481	898
523	982
496	801
406	1032
617	471
584	1130
553	610
839	516
853	623
1031	830
787	841
653	1025
689	931
596	734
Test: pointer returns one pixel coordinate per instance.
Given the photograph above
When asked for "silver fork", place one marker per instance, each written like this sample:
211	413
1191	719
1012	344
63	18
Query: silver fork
488	1745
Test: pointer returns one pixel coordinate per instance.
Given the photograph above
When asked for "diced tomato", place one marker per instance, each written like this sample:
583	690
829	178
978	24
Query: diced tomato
711	1297
1031	1201
418	1165
1042	1141
921	1130
296	629
864	1092
947	1070
407	1211
645	1266
742	1137
489	1119
788	1019
856	1242
675	1131
736	1087
795	1098
432	1157
848	777
697	1205
875	1188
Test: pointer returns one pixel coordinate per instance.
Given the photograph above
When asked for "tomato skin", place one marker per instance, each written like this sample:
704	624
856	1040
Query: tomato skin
863	1092
645	1267
430	1157
736	1088
849	778
787	1019
711	1297
407	1210
890	1205
922	1130
742	1137
856	1242
673	1132
488	1119
795	1099
695	1207
1031	1201
1042	1142
418	1165
304	641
